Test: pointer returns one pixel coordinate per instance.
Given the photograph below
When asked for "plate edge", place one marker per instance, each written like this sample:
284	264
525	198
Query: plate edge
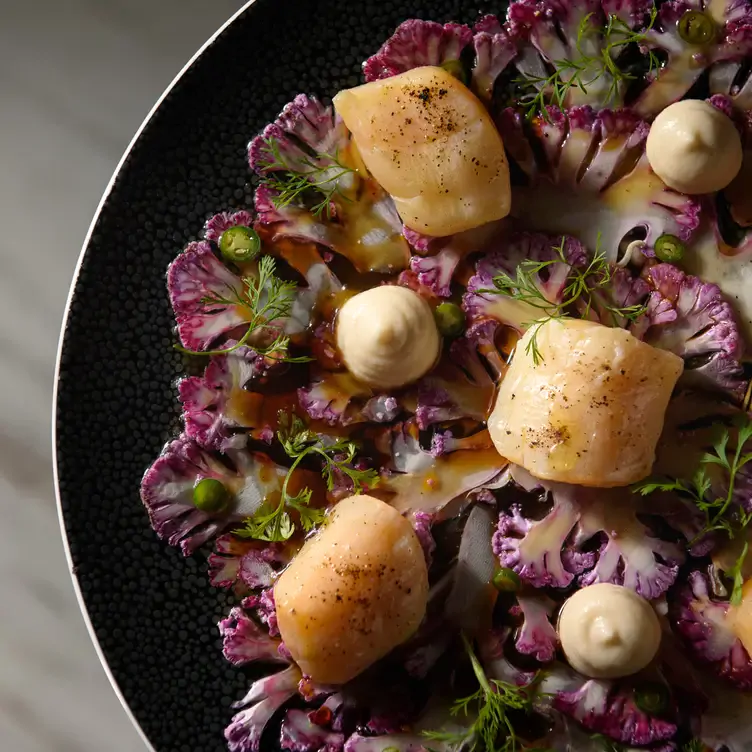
58	358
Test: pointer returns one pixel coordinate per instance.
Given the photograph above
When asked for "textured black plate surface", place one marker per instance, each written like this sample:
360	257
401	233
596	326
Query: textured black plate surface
153	612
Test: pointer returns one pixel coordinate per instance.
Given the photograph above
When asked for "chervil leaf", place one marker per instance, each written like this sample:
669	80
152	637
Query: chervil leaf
720	512
657	484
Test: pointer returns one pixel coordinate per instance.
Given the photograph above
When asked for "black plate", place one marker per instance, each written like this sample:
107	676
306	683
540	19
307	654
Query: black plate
153	612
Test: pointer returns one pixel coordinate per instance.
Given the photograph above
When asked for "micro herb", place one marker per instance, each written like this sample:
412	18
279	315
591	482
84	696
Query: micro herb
319	180
721	514
582	286
272	522
585	69
266	298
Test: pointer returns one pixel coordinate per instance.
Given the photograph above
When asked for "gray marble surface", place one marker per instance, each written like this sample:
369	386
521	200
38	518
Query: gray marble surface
76	80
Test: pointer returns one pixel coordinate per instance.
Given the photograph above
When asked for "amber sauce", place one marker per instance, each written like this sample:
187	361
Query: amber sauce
261	402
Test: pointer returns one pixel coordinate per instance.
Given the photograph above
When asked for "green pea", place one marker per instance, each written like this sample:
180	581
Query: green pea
457	69
507	581
450	319
669	248
239	244
696	27
210	495
652	698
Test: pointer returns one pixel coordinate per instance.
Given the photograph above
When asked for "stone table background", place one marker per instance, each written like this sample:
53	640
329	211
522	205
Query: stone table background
77	77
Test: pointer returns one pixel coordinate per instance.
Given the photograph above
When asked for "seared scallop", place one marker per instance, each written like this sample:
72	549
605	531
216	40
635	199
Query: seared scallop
588	409
356	590
432	145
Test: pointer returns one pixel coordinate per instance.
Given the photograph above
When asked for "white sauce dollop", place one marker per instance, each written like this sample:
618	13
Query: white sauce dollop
608	631
387	336
694	148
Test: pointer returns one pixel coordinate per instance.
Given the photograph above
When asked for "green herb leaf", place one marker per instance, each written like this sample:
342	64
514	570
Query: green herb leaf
267	299
298	441
585	69
493	729
320	181
735	573
581	287
720	512
656	484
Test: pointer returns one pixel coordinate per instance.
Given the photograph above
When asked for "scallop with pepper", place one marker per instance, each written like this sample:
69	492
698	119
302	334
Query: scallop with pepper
433	146
356	590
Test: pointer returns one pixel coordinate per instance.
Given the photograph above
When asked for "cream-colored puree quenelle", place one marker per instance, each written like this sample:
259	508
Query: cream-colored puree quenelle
694	148
586	406
607	631
387	336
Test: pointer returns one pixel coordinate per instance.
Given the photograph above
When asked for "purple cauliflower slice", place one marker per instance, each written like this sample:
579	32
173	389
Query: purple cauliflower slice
263	700
686	62
308	140
603	707
422	244
436	272
416	43
299	734
549	552
302	139
691	319
494	49
240	560
459	387
219	223
421	482
337	398
537	636
534	550
264	608
381	409
491	644
421	522
167	491
727	79
244	641
483	336
554	29
213	404
551	280
195	274
596	183
703	624
623	291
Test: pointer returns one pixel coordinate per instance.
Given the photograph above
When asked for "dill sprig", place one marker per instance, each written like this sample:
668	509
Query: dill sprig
582	286
719	511
320	179
272	522
584	70
267	298
493	729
